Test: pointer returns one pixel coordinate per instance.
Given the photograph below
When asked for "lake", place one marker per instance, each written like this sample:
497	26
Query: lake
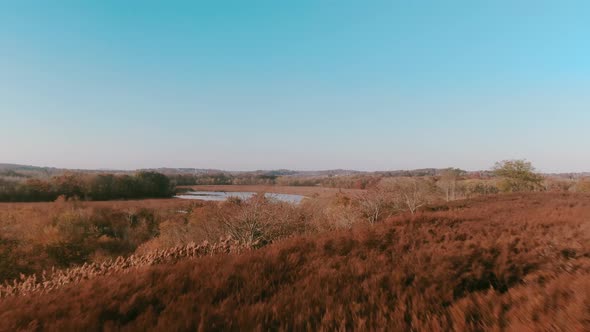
223	195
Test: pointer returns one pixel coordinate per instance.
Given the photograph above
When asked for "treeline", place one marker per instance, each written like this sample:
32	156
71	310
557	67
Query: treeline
223	179
505	176
345	182
91	187
349	181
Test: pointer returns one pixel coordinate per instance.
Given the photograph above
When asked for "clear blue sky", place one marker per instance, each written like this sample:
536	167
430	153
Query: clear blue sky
369	85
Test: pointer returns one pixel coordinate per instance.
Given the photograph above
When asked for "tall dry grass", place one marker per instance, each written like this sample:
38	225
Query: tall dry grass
56	278
37	236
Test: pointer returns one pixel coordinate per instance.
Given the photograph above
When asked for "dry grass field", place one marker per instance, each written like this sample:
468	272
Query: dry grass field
39	236
518	262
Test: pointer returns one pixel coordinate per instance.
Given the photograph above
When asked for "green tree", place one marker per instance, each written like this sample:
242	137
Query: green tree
517	176
101	187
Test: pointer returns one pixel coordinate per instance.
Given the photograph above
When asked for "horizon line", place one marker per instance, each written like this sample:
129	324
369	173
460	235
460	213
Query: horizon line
106	169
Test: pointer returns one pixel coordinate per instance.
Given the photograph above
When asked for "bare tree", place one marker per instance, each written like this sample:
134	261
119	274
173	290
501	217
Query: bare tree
375	204
448	182
411	193
258	220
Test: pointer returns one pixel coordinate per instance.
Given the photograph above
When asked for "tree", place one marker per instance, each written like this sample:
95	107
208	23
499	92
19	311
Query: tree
70	184
154	184
410	193
448	182
101	187
517	176
258	220
375	204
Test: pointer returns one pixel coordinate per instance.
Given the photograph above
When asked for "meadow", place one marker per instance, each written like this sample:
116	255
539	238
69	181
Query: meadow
40	236
508	262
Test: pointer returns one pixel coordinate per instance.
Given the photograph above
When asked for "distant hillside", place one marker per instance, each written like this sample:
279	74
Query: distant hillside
16	167
43	171
16	171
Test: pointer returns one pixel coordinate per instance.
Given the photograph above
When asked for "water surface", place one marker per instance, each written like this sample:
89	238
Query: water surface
223	195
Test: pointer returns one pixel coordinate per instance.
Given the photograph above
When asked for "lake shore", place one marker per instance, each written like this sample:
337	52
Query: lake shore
291	190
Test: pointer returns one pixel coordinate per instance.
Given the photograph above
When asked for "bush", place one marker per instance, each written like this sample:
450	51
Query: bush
13	260
518	176
582	186
256	221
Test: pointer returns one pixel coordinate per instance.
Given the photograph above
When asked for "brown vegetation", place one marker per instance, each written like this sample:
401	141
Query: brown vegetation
95	187
54	279
38	236
510	262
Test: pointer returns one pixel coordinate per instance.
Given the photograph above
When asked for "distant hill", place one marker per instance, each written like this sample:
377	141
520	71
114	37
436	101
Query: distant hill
17	170
16	167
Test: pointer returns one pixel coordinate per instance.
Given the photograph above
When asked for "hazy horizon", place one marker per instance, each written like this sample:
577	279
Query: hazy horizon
287	169
305	85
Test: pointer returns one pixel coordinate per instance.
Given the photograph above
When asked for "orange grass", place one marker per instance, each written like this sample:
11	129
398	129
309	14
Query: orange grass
514	262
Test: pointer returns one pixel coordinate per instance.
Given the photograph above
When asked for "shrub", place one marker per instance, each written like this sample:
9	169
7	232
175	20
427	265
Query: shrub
517	176
256	221
582	186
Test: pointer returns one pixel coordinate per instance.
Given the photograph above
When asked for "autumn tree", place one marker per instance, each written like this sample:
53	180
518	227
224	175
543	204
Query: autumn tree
70	185
517	176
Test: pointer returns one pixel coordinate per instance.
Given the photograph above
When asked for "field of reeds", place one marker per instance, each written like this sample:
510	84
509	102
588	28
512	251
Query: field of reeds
41	236
516	262
55	278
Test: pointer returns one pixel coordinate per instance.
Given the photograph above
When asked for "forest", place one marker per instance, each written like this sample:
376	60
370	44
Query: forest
93	187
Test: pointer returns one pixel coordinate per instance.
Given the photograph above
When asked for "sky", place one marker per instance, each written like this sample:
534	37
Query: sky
245	85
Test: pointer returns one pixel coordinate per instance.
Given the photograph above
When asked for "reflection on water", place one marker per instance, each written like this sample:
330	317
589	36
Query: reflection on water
222	196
